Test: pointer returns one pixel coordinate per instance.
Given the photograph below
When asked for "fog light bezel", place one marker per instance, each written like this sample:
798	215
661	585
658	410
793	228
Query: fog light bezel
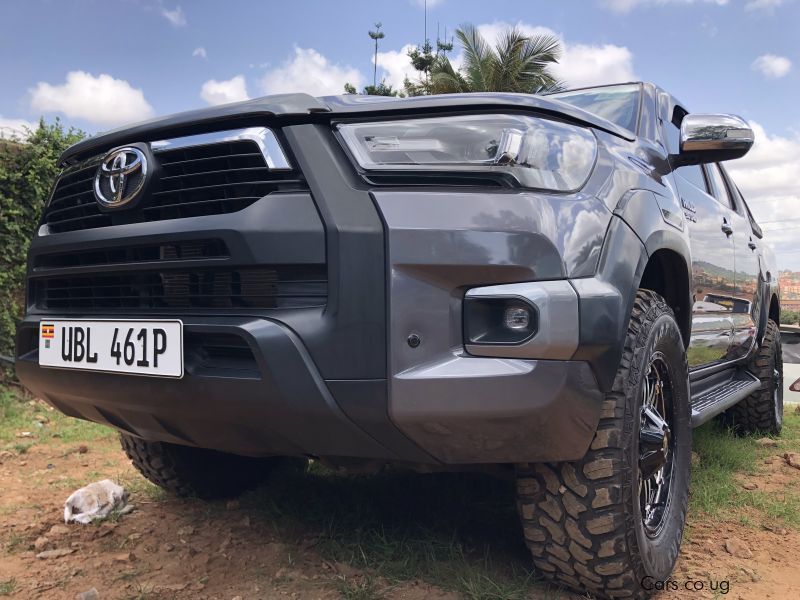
478	323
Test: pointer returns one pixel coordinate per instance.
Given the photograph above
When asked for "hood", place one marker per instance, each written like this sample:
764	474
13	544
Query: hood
294	108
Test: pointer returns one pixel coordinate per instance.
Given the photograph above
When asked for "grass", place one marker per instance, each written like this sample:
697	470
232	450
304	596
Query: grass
363	588
19	414
716	488
458	531
8	587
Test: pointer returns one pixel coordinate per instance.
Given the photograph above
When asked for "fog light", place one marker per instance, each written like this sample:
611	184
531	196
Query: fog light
499	320
517	317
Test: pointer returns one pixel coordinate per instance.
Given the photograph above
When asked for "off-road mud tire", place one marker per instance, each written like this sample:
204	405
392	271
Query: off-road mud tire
187	471
762	411
581	520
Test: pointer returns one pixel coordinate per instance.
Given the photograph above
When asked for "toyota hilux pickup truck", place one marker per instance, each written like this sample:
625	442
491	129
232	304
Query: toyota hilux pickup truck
558	286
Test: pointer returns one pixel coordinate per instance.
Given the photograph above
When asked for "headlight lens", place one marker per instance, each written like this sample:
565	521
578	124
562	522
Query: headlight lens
538	153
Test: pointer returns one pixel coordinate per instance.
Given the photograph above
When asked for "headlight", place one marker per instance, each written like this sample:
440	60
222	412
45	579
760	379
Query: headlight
538	153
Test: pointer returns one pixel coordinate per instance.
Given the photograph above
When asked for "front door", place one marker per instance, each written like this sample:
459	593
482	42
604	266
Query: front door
713	285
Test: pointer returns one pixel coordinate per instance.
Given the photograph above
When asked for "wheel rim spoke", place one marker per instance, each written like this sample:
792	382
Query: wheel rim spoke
655	444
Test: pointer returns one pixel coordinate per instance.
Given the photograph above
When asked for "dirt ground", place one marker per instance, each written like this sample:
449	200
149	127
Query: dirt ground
172	548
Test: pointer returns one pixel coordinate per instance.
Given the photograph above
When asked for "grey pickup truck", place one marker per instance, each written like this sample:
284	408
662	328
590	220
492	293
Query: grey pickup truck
559	286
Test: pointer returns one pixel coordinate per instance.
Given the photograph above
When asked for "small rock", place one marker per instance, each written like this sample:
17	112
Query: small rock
83	449
41	543
91	594
737	548
750	486
695	459
792	459
134	537
245	522
232	505
766	442
24	434
124	557
168	547
57	553
173	587
769	460
41	419
184	531
236	598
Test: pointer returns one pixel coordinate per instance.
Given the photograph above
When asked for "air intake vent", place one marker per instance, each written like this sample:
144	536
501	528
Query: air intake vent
243	288
193	250
190	181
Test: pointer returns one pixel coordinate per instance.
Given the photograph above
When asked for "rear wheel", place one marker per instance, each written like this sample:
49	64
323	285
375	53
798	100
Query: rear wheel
762	411
188	471
611	524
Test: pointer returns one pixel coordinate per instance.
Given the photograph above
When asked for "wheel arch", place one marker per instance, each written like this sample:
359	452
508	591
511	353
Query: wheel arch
667	273
775	308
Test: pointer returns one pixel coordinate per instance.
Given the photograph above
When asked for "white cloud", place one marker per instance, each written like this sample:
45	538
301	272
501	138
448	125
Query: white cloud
222	92
176	16
767	5
585	64
200	51
16	128
624	6
580	64
769	178
396	66
100	99
772	66
309	71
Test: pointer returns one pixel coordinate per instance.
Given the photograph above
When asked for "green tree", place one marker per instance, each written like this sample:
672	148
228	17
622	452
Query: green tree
789	317
518	63
423	58
28	168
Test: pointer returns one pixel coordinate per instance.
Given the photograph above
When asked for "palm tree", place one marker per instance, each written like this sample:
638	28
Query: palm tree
518	63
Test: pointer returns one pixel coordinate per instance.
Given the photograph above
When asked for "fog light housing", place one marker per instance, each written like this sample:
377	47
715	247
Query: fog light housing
499	321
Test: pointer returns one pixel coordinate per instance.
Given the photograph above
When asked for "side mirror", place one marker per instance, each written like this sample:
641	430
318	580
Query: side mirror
712	138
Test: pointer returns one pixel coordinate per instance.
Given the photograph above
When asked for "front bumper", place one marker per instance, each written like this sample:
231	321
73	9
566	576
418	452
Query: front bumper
271	400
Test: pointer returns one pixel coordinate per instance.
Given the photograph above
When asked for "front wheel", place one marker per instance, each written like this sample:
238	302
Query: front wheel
611	524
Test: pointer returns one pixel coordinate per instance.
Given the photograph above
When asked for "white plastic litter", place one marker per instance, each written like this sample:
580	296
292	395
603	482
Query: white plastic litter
96	501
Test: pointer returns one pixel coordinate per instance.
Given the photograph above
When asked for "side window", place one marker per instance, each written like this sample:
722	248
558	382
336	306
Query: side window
719	188
694	175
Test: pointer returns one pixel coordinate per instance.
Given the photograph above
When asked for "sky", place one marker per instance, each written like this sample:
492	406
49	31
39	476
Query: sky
98	64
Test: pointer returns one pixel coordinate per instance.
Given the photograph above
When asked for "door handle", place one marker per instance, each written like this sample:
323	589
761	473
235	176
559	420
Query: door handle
752	245
726	227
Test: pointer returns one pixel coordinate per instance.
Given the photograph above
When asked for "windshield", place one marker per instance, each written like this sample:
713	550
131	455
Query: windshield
616	103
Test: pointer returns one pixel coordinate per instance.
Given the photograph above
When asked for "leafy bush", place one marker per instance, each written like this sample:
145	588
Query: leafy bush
28	169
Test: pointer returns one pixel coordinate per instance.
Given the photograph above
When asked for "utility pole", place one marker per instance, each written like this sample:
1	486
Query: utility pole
376	35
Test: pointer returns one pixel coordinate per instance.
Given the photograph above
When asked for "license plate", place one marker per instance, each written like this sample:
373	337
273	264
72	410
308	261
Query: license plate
134	347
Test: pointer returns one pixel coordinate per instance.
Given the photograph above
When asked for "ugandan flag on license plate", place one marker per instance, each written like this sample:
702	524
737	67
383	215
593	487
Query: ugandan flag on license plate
48	331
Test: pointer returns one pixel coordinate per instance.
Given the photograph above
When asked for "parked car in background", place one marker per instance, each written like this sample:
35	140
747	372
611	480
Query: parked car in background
560	286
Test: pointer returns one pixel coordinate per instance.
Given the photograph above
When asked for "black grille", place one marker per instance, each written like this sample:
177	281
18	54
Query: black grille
243	288
209	179
192	250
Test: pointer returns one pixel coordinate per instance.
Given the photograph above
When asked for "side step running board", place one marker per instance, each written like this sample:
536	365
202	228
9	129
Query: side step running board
720	392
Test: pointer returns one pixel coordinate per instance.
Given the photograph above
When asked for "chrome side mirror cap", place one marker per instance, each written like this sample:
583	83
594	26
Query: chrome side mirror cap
709	138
